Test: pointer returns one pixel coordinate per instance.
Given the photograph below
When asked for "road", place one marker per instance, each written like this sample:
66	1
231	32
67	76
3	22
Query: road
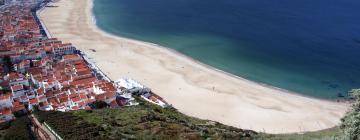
40	130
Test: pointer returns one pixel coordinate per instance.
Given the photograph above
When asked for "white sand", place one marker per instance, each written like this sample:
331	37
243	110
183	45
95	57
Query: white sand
186	84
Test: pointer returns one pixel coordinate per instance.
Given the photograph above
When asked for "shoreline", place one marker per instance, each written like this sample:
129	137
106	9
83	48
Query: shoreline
150	44
273	93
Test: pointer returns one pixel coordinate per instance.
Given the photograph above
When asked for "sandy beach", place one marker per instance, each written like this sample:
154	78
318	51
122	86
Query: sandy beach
192	88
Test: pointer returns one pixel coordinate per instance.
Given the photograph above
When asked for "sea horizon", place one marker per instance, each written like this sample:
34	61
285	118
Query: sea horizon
327	88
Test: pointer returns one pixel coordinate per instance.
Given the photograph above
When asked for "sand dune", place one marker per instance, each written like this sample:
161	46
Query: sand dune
192	88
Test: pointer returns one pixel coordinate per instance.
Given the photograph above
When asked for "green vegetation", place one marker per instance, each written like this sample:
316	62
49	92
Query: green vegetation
99	105
145	121
351	122
69	126
328	134
16	130
3	128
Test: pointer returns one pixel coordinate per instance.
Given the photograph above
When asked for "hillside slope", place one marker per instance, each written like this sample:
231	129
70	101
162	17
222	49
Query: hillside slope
145	121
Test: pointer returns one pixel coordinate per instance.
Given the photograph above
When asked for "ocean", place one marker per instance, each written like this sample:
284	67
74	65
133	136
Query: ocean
311	47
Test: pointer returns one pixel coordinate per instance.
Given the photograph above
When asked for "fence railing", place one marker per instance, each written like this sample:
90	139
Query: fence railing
52	131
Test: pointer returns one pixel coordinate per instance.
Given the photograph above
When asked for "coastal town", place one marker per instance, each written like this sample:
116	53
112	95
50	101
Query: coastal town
63	75
38	71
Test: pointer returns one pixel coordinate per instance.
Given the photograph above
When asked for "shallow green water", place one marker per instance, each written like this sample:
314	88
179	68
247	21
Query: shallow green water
311	47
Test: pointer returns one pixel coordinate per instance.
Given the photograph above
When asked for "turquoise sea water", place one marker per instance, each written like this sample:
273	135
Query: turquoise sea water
311	47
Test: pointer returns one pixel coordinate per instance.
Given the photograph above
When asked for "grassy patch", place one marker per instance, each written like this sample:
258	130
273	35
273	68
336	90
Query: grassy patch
16	130
327	134
148	121
69	126
145	121
3	128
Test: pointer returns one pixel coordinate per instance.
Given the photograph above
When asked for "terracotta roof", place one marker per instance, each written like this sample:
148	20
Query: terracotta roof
33	101
109	94
49	94
83	81
73	95
53	101
76	99
100	97
153	98
24	97
114	104
42	104
71	56
4	97
40	91
75	107
63	100
5	111
81	103
87	107
90	101
17	87
42	97
83	96
14	76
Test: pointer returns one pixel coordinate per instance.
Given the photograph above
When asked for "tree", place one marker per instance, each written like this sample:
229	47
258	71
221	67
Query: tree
8	64
351	122
99	105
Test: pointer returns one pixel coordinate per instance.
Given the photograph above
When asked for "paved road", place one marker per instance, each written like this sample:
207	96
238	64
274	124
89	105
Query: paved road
40	130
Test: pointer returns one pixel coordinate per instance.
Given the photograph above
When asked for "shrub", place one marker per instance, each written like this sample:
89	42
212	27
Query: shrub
99	105
19	130
69	126
351	122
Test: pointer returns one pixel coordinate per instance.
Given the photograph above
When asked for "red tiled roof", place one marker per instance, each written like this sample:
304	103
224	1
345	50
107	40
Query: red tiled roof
64	99
83	81
83	72
83	96
100	97
49	94
113	104
18	107
62	95
16	103
81	103
76	99
75	107
73	95
5	111
90	101
53	101
24	97
42	104
42	97
14	76
40	91
71	56
110	94
153	98
4	97
33	101
17	87
87	107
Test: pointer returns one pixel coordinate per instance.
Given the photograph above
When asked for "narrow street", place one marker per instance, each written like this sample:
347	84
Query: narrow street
40	130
